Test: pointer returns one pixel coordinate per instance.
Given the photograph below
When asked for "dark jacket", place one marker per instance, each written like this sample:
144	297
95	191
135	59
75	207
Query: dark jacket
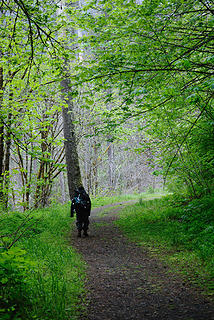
76	207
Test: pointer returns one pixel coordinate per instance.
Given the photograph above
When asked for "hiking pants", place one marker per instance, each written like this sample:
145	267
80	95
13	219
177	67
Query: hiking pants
82	221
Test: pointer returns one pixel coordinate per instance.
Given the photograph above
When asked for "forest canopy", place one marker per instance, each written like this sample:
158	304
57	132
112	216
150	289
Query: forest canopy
133	69
153	61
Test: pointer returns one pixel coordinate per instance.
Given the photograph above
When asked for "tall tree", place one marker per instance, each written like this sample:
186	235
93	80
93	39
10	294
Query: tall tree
32	53
71	153
1	136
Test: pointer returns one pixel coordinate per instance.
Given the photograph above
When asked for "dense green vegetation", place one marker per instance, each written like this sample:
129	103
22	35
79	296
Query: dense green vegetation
140	69
49	275
136	68
150	65
180	231
41	265
41	276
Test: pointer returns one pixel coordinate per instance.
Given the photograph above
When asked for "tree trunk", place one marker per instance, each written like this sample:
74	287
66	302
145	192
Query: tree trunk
95	169
111	166
1	139
71	155
62	187
41	173
7	161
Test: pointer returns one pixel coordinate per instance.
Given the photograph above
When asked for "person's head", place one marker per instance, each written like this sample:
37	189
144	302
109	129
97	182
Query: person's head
81	189
76	193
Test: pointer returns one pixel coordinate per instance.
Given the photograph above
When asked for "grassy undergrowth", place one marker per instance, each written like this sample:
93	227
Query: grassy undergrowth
41	275
102	201
182	234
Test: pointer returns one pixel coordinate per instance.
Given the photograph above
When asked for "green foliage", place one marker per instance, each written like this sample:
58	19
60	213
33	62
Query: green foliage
30	62
48	273
102	201
181	231
149	63
15	268
152	63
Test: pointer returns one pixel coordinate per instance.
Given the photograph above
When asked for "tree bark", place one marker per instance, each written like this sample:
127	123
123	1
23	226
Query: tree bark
111	166
95	169
7	161
71	154
1	139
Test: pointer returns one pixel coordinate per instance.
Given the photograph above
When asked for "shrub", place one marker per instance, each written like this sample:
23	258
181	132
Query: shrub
14	278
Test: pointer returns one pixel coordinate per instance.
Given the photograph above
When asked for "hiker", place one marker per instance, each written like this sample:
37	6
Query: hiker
81	204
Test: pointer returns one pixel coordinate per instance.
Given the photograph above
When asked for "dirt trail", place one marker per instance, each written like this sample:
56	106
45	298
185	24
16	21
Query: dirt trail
125	283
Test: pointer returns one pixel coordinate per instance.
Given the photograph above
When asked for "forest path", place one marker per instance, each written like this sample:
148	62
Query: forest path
126	283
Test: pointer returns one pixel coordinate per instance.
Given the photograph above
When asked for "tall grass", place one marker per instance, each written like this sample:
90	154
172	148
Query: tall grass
102	201
53	287
182	234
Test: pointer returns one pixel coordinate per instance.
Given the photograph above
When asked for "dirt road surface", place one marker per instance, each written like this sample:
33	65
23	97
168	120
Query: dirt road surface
126	283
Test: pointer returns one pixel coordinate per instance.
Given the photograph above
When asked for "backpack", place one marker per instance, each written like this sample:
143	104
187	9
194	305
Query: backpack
82	201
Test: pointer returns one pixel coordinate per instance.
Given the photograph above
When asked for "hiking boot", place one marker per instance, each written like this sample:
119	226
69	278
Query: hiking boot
79	234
